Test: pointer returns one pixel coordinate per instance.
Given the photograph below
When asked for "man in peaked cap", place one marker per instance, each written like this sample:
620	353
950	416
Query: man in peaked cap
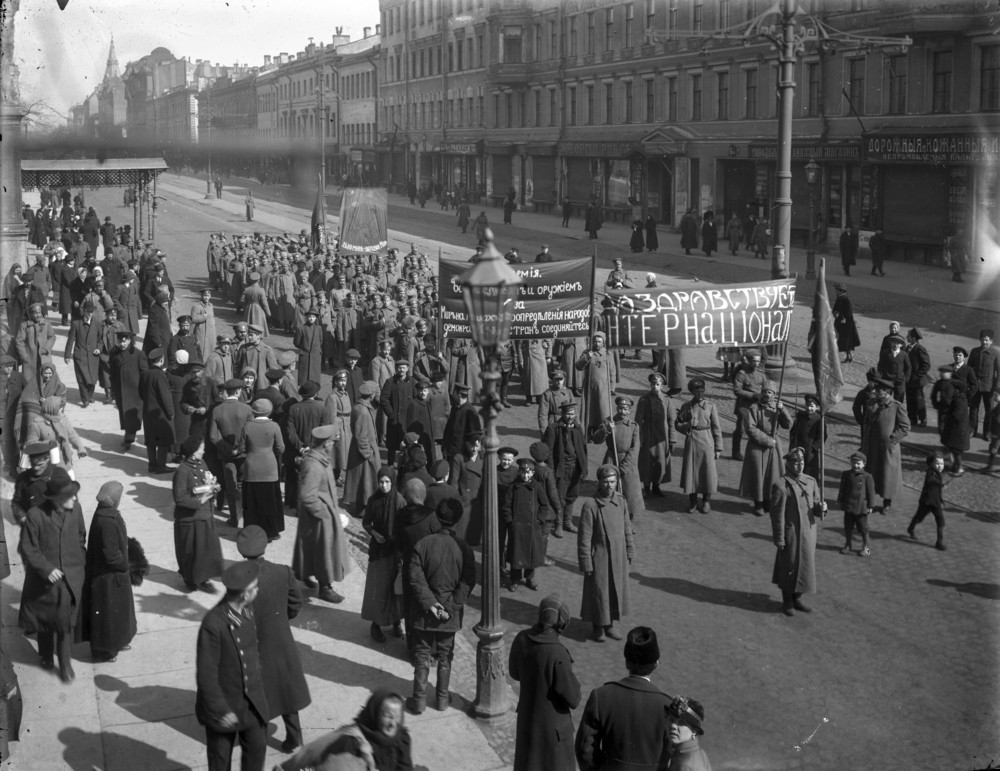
231	701
628	719
29	485
984	362
884	427
920	367
278	601
894	365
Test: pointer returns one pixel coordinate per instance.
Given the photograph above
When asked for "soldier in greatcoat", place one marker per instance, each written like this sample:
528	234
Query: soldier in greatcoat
551	402
363	457
337	413
525	510
278	601
698	420
885	427
655	415
128	364
762	465
747	383
621	434
599	378
605	549
796	506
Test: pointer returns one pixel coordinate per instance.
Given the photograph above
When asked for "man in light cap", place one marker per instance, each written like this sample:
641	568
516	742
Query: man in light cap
605	550
885	426
231	702
320	542
29	484
984	362
625	723
278	601
796	506
549	690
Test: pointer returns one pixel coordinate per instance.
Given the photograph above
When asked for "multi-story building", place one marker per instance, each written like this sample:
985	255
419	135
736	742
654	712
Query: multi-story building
227	117
657	107
357	96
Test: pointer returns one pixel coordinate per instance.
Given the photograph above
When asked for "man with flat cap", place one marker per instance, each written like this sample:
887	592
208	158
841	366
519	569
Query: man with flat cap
525	512
157	412
278	601
984	362
625	723
463	420
394	402
83	347
320	542
796	506
605	550
183	341
231	700
545	255
226	427
256	354
568	446
128	364
549	690
885	426
856	497
920	367
308	341
355	375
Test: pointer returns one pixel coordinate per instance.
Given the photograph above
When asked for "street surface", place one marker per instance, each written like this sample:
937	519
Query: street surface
897	666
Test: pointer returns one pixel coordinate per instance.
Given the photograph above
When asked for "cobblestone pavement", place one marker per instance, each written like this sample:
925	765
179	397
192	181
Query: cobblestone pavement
901	649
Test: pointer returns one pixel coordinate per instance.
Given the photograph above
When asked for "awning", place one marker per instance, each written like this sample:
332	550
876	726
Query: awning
90	172
546	148
499	148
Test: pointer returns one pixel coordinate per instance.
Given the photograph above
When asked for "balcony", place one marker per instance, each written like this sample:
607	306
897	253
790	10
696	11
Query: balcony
511	74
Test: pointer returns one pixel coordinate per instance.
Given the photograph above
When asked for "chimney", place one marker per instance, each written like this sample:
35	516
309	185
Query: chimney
367	31
378	29
267	60
283	57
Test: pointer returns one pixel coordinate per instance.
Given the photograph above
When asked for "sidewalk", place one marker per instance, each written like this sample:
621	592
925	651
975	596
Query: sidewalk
138	713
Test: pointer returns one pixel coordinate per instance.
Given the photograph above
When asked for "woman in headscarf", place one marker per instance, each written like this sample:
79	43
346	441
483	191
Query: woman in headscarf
376	741
549	690
262	446
52	425
382	604
249	389
108	620
196	544
50	383
11	284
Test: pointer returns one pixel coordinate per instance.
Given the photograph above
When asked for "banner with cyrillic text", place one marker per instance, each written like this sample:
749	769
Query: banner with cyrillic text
553	301
707	316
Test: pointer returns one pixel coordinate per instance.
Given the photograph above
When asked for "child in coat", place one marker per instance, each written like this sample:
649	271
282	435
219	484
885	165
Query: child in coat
994	431
930	499
857	498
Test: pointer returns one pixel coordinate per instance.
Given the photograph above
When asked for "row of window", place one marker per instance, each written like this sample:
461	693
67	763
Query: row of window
419	12
461	112
428	62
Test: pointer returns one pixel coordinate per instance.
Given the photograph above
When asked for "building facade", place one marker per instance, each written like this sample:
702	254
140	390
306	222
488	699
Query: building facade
357	97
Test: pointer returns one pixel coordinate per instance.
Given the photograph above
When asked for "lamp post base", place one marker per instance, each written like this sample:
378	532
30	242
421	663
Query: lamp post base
208	189
492	691
811	265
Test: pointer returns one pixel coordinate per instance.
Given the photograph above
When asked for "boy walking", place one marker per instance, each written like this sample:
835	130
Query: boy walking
930	499
857	499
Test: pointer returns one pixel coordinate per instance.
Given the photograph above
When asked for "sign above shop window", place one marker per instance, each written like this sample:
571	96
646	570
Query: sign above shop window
598	149
805	152
933	148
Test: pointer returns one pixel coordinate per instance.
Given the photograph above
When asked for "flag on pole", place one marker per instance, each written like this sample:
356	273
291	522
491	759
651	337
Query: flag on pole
823	346
318	217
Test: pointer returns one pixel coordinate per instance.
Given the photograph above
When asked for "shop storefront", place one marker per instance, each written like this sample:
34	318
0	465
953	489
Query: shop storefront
540	180
503	172
362	169
611	172
667	175
462	165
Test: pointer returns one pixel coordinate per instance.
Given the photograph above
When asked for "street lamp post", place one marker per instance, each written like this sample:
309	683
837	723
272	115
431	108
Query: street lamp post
489	289
322	155
812	173
208	182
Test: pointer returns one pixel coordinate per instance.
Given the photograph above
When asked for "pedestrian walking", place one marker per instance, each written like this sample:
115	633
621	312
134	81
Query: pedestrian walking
762	466
848	249
128	364
625	723
53	549
262	447
637	241
709	234
463	214
278	601
652	241
605	550
699	475
592	219
231	702
248	204
885	427
382	602
540	662
83	347
686	719
734	233
655	416
567	212
196	544
108	612
843	323
920	367
856	497
877	247
320	541
796	505
481	224
689	231
441	575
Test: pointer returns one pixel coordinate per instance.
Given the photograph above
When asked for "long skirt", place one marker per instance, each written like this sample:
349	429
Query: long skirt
262	506
381	602
199	554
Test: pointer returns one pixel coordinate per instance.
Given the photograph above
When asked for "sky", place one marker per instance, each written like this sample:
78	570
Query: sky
62	54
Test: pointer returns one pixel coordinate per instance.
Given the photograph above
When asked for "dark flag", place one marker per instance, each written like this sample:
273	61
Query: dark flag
823	346
318	218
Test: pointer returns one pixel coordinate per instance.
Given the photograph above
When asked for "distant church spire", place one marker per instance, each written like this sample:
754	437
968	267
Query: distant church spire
111	69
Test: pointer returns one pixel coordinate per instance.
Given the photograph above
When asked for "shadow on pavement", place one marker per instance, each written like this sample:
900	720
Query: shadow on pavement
749	601
342	671
977	588
86	751
155	703
153	497
175	606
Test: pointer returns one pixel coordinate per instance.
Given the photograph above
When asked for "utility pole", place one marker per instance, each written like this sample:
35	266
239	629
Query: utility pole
208	144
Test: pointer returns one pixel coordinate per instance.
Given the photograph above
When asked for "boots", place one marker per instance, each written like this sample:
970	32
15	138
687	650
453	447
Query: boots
443	682
568	525
417	703
692	503
940	539
787	603
64	650
989	463
557	528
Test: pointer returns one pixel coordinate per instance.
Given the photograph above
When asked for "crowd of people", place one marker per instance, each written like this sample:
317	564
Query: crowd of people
249	432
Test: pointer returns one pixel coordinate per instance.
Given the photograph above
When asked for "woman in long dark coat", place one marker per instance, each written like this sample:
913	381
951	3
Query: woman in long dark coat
262	447
843	323
524	510
636	243
196	544
53	549
382	603
709	234
652	240
549	690
108	605
127	363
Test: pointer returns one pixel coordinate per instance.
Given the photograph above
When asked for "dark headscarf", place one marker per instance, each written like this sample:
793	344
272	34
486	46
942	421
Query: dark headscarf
390	752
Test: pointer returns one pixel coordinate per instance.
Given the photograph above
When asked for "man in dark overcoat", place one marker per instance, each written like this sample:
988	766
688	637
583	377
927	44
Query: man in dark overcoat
308	341
984	362
64	274
894	365
29	485
625	722
83	346
569	459
655	416
184	340
463	420
53	550
525	512
127	365
394	402
441	574
920	367
157	413
226	426
302	416
605	549
158	330
278	601
549	690
231	702
419	418
108	232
